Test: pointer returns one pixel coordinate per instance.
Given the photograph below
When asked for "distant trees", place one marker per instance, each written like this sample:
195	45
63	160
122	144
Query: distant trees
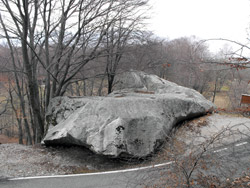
119	36
231	69
186	61
148	53
4	108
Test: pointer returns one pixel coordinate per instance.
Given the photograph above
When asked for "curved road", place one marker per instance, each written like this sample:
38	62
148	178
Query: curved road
239	151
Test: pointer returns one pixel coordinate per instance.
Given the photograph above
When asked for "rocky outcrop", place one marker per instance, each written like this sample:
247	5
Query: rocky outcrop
133	120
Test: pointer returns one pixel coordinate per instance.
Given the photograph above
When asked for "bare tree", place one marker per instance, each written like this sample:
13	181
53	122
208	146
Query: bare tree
57	39
22	28
4	108
187	57
120	35
19	91
147	53
194	160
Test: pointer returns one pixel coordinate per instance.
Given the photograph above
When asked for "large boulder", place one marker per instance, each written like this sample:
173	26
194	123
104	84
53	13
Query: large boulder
134	120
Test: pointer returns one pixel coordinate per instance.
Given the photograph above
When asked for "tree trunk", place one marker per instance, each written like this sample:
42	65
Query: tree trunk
32	82
215	90
111	78
20	131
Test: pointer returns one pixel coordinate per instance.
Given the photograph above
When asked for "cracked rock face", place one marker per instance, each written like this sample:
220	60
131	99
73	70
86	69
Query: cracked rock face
134	120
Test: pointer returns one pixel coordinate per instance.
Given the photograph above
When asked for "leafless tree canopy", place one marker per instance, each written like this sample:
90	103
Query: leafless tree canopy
53	40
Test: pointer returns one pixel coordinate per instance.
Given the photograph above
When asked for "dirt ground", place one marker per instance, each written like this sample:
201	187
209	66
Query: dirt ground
5	139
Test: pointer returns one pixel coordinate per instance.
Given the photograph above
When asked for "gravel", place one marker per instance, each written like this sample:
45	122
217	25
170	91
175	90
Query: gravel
22	161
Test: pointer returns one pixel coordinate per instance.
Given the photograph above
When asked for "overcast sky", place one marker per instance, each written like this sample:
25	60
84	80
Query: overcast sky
203	18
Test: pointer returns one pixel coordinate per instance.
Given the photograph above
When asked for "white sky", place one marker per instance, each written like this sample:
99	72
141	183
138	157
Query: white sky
203	18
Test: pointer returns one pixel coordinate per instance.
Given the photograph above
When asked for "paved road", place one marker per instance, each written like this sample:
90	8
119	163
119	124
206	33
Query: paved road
239	152
113	180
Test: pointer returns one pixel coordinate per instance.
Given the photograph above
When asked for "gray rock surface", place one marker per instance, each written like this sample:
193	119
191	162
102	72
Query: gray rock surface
132	121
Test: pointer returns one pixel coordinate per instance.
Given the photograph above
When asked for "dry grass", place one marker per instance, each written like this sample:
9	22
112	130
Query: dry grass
225	88
222	100
2	98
